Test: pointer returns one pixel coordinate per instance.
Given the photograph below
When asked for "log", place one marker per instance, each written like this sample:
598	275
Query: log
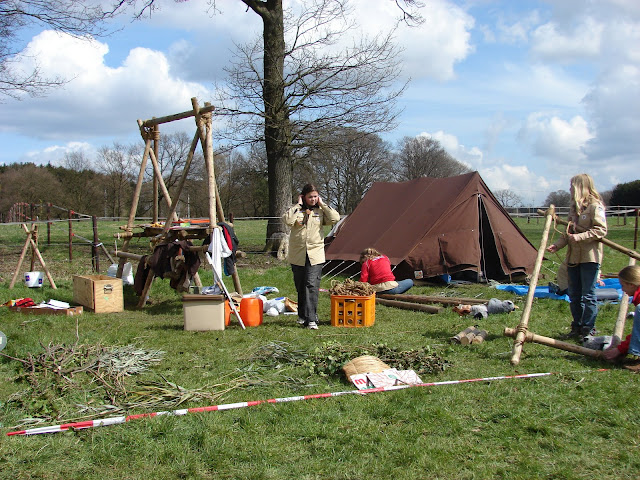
552	342
526	312
460	335
479	336
178	116
131	256
434	299
627	251
409	306
467	339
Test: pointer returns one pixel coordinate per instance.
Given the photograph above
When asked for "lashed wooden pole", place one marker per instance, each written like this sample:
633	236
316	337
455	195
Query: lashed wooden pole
552	342
605	241
533	282
618	329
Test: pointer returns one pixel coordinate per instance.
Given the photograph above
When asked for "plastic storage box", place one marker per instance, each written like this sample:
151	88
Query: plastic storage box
353	311
203	312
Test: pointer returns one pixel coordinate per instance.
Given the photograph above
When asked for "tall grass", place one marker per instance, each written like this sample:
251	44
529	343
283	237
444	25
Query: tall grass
578	423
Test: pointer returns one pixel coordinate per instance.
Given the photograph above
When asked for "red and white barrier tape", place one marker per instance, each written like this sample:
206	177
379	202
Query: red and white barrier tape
230	406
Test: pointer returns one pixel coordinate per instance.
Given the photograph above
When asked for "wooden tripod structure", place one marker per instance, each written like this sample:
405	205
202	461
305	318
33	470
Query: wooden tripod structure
150	132
522	333
32	241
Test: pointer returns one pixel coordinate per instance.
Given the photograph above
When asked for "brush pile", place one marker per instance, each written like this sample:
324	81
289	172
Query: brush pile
351	288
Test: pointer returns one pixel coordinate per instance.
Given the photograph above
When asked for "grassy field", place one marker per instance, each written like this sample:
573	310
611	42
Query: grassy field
580	422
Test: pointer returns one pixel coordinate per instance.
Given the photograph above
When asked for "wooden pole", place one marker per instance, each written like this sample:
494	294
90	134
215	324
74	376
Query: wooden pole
618	329
434	299
134	204
34	237
156	141
49	223
533	282
409	306
552	342
605	241
70	236
177	116
94	247
27	244
635	231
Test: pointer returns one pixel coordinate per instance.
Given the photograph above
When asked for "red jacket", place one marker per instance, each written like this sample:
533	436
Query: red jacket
377	270
623	348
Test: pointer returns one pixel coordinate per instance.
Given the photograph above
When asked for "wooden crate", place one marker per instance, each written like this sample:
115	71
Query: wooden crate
100	293
69	312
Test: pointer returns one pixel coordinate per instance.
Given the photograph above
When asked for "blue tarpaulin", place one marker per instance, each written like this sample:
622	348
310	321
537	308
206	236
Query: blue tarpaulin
604	292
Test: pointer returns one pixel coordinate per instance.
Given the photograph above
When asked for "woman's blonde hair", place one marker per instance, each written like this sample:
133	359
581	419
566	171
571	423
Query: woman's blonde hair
584	192
630	274
368	254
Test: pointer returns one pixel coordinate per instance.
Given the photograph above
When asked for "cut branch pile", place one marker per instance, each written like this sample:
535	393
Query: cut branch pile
351	288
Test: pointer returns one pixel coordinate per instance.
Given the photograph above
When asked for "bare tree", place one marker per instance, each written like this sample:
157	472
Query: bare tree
74	17
119	164
317	87
346	170
559	198
424	157
508	198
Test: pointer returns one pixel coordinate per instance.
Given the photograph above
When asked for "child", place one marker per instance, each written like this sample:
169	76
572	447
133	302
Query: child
630	280
376	270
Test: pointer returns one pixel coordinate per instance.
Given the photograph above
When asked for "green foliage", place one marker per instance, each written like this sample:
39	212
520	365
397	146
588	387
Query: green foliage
626	194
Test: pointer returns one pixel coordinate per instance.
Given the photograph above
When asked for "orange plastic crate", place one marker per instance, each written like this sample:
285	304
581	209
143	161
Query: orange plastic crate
353	311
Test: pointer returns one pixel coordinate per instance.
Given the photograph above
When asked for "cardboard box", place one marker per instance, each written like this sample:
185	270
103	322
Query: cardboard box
203	312
100	293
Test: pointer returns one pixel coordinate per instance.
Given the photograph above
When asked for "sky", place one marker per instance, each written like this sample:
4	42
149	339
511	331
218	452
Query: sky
528	93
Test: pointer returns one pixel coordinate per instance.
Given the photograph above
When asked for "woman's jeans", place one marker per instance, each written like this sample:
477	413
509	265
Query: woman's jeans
403	286
634	343
582	295
307	282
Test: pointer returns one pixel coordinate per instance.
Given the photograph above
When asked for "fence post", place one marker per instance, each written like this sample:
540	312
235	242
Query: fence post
70	236
49	223
94	247
635	233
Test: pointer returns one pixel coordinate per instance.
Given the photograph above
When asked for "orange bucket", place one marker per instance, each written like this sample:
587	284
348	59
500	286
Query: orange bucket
251	311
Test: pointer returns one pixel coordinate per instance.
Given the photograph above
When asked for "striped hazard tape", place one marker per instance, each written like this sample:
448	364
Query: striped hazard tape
231	406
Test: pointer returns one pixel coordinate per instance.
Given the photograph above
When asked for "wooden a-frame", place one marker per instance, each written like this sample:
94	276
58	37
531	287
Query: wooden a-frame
32	241
150	132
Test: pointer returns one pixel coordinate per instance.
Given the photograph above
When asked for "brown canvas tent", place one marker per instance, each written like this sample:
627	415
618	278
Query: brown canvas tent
434	226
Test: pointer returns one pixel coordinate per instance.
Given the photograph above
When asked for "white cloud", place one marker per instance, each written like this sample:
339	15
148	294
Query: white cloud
97	100
53	154
431	49
582	41
556	139
470	157
614	103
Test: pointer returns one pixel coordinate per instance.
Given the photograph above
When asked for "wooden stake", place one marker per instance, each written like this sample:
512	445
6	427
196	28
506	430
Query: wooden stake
618	330
34	249
533	282
552	342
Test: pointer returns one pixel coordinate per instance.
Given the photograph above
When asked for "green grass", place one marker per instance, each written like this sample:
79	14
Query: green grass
579	423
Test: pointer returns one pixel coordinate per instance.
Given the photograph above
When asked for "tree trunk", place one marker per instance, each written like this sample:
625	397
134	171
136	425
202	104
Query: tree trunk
277	127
